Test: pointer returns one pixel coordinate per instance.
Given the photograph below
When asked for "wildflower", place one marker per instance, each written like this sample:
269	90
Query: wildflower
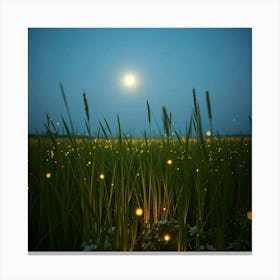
52	154
48	175
169	162
139	212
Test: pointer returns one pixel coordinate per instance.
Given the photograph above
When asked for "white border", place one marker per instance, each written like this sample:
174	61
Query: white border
17	16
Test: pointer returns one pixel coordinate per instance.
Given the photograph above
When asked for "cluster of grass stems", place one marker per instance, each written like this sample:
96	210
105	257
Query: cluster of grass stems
81	188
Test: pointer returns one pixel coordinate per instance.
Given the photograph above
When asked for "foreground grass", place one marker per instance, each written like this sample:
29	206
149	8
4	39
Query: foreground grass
88	191
125	194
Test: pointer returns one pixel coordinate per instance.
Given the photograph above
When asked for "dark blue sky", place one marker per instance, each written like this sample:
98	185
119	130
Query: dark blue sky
168	63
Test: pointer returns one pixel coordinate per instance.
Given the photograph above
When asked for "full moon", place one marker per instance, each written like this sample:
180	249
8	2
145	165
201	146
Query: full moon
129	80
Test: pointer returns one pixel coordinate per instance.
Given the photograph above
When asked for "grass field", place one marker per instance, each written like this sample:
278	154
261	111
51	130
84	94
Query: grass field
187	192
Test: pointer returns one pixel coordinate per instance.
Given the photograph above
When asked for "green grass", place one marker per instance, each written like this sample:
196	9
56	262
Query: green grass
197	190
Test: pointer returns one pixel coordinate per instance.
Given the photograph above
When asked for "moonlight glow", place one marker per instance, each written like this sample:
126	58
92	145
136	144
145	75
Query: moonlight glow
129	80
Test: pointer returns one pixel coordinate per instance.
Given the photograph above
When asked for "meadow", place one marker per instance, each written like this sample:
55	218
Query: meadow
107	192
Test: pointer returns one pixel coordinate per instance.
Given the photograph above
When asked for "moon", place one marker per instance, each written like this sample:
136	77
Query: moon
129	80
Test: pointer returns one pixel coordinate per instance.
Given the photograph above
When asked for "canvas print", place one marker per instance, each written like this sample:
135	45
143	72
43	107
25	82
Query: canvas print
139	139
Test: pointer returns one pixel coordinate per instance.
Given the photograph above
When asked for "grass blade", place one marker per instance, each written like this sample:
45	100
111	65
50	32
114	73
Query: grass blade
208	105
195	102
67	107
149	111
86	106
103	130
108	127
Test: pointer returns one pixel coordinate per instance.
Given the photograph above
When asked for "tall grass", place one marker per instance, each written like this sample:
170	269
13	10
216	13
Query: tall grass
194	191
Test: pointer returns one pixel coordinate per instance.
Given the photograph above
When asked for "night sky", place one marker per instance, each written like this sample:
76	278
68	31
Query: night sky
167	64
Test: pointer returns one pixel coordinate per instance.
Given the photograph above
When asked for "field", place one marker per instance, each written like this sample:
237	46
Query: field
171	193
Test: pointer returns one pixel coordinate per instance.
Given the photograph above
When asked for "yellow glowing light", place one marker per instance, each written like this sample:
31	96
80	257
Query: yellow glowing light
167	237
249	215
48	175
139	212
208	133
129	80
169	162
102	176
